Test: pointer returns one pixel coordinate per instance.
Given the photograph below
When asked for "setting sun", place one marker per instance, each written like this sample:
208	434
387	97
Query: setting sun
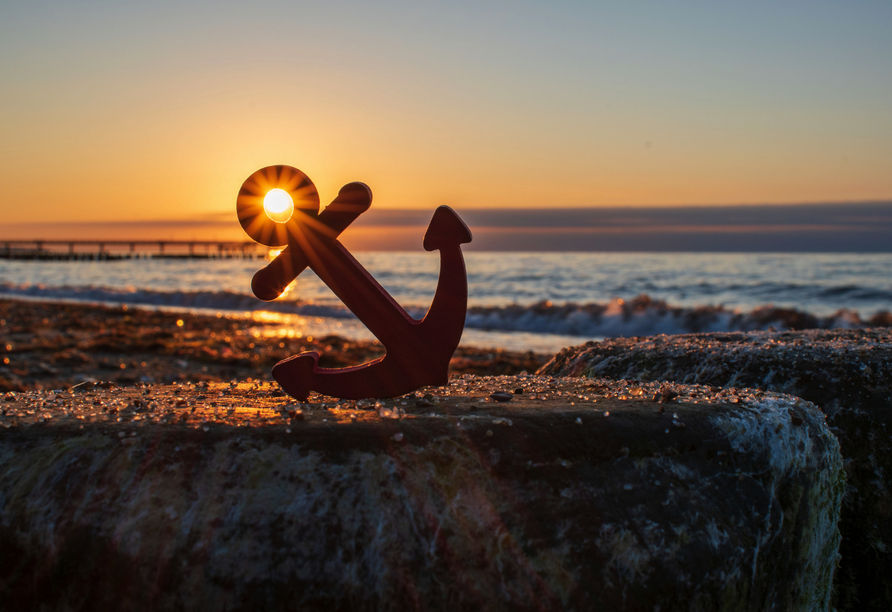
278	205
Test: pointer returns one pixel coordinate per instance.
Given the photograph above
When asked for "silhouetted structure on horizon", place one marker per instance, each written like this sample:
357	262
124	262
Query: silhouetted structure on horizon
68	250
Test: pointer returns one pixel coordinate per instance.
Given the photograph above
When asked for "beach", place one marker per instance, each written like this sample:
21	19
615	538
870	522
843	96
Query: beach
129	378
128	358
55	345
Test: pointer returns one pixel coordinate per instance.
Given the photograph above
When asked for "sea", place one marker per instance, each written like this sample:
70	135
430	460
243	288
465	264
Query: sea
521	301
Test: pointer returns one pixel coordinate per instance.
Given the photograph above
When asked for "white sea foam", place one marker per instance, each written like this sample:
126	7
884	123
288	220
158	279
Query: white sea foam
518	299
641	316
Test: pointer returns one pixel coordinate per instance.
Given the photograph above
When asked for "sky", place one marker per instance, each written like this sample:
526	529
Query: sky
154	113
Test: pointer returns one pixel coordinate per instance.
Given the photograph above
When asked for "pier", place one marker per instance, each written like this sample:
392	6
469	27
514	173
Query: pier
74	250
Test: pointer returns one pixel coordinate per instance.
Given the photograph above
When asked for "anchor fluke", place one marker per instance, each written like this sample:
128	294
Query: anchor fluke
445	229
295	374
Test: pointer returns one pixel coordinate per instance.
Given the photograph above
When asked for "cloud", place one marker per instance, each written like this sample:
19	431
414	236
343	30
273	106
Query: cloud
819	227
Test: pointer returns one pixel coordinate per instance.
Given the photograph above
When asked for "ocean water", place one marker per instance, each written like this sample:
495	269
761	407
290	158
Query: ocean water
518	301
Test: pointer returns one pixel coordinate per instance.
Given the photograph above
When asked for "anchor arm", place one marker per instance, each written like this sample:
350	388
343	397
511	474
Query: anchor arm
445	320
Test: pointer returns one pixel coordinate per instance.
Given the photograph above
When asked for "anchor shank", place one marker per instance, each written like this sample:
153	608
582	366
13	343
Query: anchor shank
357	289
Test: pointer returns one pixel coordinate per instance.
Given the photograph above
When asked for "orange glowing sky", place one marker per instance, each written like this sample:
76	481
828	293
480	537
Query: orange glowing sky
160	111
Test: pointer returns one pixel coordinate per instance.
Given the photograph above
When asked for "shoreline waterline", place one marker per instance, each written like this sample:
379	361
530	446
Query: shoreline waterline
518	301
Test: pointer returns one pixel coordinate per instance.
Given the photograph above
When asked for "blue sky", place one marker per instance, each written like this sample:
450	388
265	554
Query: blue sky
135	111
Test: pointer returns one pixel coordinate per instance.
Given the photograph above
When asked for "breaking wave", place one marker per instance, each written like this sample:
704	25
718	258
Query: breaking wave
642	316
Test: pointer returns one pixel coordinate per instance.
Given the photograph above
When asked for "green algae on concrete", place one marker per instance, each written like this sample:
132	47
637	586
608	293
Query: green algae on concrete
847	373
573	495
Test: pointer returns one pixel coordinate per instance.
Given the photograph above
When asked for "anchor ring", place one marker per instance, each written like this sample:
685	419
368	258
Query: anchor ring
252	215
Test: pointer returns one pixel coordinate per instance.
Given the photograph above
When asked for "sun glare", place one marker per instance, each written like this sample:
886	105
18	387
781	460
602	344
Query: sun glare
278	205
291	287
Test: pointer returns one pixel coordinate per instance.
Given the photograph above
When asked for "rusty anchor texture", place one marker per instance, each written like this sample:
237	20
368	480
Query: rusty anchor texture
418	351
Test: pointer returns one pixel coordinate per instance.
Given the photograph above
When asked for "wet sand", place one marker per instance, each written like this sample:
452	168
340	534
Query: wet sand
50	345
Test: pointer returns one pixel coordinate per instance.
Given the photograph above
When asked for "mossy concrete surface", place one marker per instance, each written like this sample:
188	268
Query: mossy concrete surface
572	495
846	373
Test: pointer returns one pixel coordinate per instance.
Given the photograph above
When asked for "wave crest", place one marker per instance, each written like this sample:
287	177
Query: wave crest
641	316
645	316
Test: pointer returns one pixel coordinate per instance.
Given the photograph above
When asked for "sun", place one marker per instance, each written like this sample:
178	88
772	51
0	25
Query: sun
278	205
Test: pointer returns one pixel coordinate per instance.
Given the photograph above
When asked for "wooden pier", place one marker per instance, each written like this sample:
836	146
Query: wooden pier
73	250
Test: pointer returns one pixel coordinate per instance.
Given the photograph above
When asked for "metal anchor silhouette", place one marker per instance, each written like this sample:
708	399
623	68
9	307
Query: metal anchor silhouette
418	351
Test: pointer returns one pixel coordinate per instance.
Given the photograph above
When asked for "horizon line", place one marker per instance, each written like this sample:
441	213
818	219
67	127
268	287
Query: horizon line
391	212
817	227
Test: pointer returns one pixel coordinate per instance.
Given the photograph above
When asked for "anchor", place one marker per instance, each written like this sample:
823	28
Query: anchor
417	351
